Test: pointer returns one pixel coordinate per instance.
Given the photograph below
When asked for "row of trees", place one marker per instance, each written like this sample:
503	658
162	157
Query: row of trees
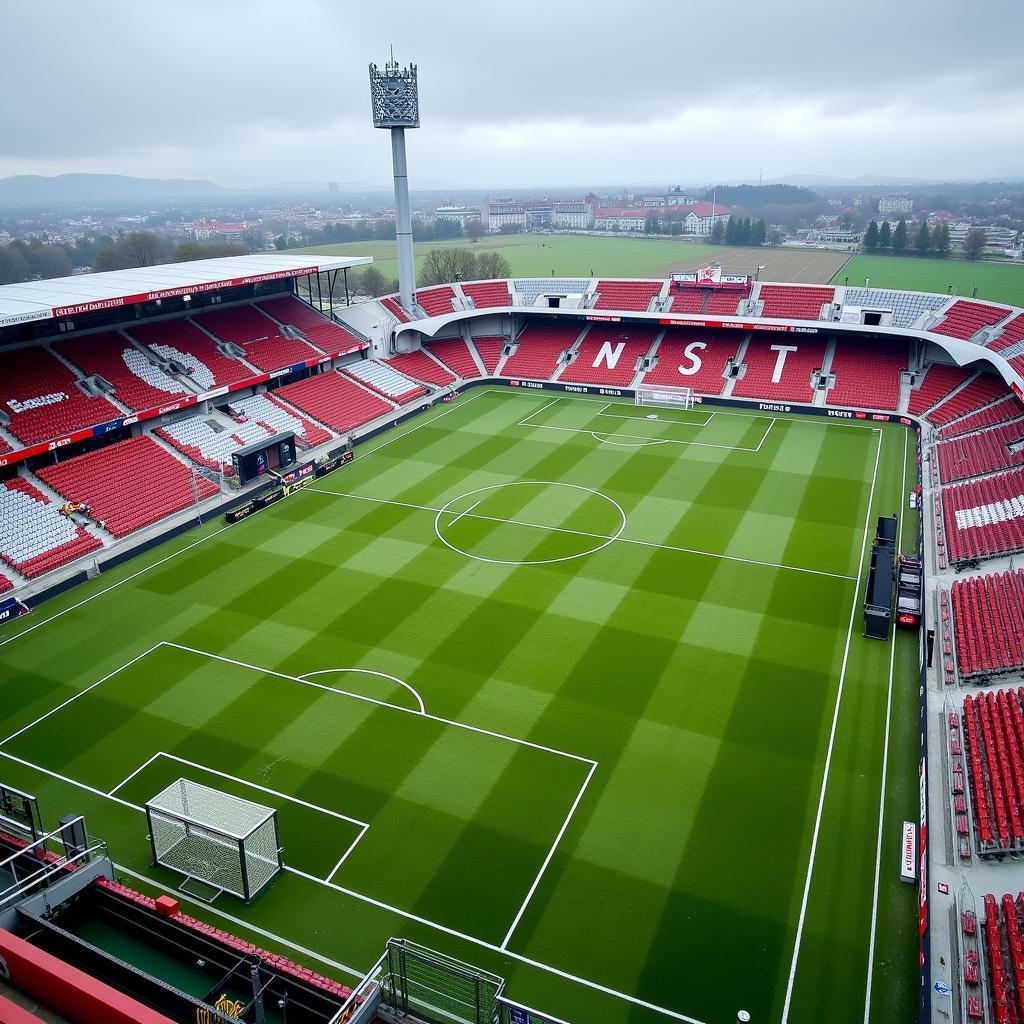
739	231
927	241
384	231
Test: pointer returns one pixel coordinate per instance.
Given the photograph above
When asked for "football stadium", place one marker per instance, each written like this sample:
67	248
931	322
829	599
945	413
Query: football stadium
550	650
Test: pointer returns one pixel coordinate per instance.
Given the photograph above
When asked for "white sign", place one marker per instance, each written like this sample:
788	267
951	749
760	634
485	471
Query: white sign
908	853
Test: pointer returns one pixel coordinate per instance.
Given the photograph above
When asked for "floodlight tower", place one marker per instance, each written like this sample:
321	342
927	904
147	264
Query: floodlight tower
396	105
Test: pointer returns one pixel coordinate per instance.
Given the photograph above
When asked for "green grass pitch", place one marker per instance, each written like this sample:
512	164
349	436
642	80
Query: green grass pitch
999	282
566	691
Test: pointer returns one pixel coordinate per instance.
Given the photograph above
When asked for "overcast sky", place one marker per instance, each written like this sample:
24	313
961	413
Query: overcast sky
525	93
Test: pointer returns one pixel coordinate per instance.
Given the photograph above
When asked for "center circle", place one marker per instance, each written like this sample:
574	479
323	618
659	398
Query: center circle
464	505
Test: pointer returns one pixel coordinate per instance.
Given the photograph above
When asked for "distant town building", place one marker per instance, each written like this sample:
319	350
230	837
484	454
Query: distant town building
459	214
694	218
332	187
895	204
541	214
202	230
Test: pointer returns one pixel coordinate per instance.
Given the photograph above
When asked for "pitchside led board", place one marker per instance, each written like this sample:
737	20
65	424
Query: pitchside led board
253	461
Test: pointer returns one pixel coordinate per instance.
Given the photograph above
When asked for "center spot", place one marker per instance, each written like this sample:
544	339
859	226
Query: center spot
529	522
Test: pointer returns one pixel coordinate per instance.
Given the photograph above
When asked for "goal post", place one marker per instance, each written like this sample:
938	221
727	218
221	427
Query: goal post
664	396
223	841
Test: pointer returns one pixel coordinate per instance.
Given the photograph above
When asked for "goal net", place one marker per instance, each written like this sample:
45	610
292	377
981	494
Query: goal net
227	843
665	396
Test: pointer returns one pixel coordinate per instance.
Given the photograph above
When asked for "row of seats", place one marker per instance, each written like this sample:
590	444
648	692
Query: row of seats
419	366
335	401
868	375
1009	408
488	293
5	584
627	294
798	302
984	452
765	379
539	347
321	330
385	380
139	383
957	788
34	536
490	350
983	390
984	517
195	438
724	301
182	341
988	623
994	739
436	301
693	359
42	397
965	318
1004	944
271	413
128	485
396	309
938	382
608	355
1011	334
257	334
454	353
690	300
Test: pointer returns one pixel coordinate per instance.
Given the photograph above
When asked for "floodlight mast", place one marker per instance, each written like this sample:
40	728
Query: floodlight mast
394	94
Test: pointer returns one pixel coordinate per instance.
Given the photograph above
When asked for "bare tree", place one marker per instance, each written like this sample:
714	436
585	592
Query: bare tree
974	243
492	264
441	266
254	237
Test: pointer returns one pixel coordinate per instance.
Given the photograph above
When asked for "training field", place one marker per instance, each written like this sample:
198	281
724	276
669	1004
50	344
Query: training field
538	255
570	693
999	282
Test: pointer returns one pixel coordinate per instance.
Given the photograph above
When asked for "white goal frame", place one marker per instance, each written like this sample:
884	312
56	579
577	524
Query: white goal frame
664	395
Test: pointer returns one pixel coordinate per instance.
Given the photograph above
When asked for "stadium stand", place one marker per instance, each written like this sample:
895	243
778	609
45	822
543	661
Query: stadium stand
985	517
939	381
690	300
531	289
988	623
762	361
868	374
964	319
993	729
199	441
42	397
609	354
333	400
1010	408
5	584
797	302
1011	334
723	302
182	341
977	454
539	347
385	380
906	307
1004	942
626	294
490	350
420	366
319	329
714	349
34	536
488	293
128	485
138	383
396	309
279	419
455	354
252	330
983	390
436	301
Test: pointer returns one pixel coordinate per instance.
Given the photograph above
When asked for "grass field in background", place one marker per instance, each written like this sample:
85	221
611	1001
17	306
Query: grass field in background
629	637
999	282
538	255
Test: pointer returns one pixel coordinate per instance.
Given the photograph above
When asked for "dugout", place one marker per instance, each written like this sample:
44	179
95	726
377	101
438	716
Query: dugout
878	593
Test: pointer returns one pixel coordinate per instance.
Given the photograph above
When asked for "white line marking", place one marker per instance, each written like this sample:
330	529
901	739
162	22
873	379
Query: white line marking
641	437
626	416
881	792
765	437
71	782
344	856
831	744
624	444
239	923
369	672
81	693
128	778
547	859
461	514
584	533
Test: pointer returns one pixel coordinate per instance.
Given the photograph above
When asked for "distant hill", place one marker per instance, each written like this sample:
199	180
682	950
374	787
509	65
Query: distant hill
100	188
